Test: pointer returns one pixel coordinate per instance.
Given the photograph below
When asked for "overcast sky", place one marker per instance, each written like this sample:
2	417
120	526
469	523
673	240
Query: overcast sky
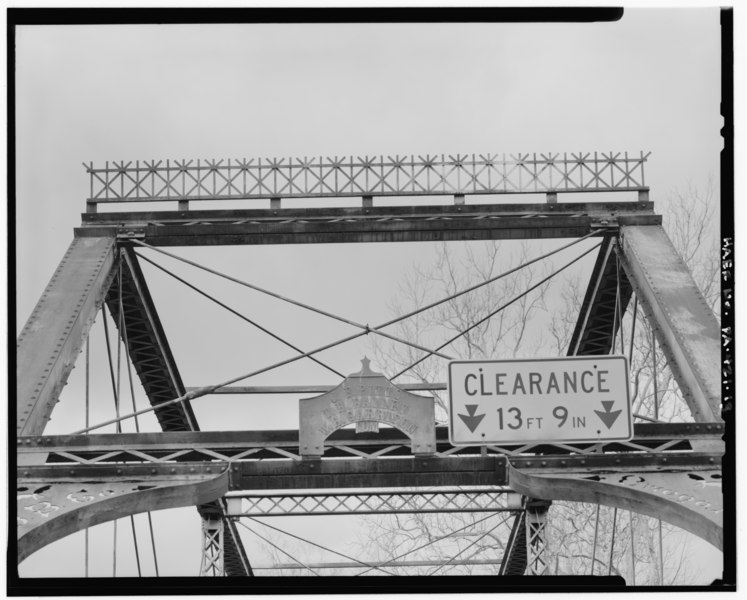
95	93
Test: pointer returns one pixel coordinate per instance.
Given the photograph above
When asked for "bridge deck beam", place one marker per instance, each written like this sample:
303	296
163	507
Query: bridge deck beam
374	224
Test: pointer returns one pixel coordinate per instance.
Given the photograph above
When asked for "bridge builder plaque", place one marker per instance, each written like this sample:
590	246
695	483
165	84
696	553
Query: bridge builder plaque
366	399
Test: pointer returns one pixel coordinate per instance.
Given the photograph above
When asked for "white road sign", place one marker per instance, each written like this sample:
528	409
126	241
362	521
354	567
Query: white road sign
573	399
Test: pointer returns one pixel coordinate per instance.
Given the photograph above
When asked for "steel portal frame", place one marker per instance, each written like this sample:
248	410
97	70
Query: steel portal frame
54	333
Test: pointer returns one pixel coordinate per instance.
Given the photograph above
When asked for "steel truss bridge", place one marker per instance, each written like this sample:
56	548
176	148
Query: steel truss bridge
70	482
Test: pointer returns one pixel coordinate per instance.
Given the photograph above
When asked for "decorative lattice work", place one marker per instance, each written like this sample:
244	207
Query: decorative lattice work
212	548
386	502
397	175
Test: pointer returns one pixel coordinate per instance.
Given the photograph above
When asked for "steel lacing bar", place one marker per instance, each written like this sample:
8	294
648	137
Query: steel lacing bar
175	455
146	457
246	453
214	454
78	459
449	451
353	451
386	450
285	453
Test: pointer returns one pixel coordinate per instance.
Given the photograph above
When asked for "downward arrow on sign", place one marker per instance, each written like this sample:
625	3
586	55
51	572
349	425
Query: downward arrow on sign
471	421
608	416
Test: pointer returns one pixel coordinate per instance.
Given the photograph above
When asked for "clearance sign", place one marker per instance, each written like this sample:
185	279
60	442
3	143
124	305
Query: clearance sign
573	399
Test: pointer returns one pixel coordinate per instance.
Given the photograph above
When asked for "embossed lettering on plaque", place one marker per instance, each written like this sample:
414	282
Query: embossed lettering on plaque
366	399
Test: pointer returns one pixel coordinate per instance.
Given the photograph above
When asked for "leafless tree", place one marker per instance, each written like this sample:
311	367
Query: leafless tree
691	222
503	335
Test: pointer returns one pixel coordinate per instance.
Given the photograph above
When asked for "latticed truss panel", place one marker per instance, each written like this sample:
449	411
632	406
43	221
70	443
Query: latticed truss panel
536	521
147	345
212	548
606	298
370	503
391	175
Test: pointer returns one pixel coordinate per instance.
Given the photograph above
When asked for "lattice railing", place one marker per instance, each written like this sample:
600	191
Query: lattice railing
391	175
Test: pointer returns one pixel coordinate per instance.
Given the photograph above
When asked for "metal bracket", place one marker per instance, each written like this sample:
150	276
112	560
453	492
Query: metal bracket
131	233
604	223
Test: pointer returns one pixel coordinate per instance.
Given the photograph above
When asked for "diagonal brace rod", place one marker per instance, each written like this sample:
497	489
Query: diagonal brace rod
196	393
238	314
257	288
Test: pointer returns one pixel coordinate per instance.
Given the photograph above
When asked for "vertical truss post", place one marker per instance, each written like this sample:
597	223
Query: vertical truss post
684	324
54	334
212	547
536	520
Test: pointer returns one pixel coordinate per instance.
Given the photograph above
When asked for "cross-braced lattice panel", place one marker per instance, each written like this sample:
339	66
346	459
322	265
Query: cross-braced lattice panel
371	503
391	175
212	548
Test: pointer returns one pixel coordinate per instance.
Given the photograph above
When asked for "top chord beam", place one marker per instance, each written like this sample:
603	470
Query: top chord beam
398	175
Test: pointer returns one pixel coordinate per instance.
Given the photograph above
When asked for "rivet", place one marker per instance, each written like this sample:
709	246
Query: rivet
544	463
72	472
26	473
311	466
119	471
583	462
173	471
191	469
710	460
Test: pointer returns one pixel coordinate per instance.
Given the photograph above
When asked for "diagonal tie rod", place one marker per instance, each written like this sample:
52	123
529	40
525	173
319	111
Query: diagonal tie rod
366	329
202	391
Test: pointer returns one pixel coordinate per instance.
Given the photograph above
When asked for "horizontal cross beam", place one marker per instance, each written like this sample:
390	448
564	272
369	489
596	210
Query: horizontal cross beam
401	472
252	445
374	224
379	502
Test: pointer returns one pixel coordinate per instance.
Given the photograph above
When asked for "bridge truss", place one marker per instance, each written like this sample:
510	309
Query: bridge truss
236	475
